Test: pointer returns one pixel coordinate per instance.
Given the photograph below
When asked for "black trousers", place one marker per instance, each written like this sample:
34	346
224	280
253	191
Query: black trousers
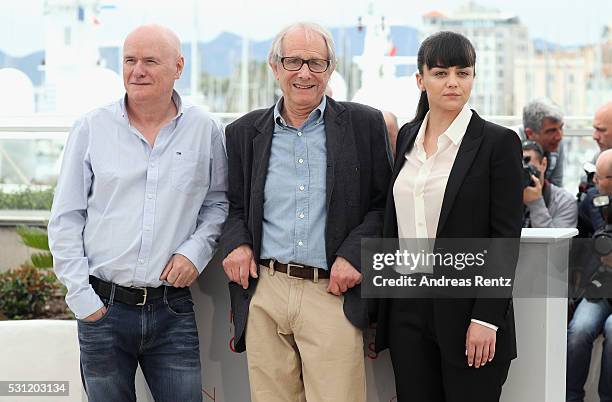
421	372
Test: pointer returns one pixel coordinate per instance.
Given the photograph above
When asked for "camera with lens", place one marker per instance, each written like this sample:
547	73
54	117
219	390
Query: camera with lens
528	171
602	238
588	182
600	286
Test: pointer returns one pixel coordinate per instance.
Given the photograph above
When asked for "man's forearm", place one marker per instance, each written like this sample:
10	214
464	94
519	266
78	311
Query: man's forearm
67	223
539	214
70	264
200	247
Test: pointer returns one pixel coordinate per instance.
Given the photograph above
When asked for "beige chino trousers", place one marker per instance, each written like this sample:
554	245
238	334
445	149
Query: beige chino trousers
300	346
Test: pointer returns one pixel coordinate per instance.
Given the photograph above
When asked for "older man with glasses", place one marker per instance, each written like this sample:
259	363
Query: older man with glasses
308	179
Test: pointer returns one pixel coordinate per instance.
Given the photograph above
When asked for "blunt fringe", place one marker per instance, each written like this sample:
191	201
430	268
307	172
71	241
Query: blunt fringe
443	49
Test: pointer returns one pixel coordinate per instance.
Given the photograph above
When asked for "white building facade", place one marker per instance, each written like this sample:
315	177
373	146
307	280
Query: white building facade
499	40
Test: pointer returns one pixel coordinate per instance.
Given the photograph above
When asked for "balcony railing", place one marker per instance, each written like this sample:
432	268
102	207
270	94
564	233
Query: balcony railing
31	147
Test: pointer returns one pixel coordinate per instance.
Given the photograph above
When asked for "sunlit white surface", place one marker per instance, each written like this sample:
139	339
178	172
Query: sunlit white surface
337	84
86	90
397	95
17	96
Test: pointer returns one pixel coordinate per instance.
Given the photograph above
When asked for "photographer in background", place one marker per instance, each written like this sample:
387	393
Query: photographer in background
543	123
602	135
602	127
545	205
594	313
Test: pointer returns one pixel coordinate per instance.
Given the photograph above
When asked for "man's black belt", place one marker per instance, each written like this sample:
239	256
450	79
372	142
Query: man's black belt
296	270
134	296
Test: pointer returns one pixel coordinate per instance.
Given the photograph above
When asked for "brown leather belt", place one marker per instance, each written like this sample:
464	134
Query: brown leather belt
299	271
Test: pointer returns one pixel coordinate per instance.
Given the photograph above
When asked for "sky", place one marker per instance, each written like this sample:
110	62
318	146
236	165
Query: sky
566	22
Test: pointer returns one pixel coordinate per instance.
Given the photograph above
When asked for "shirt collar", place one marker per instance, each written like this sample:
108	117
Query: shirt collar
176	98
318	112
178	102
454	132
459	126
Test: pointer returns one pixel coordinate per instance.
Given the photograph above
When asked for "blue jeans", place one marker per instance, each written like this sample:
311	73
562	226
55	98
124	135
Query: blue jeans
161	336
591	318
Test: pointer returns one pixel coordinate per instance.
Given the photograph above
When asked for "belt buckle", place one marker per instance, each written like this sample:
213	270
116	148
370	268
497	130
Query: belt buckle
289	270
144	295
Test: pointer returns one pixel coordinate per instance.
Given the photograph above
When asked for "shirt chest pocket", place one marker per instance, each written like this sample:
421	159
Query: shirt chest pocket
190	171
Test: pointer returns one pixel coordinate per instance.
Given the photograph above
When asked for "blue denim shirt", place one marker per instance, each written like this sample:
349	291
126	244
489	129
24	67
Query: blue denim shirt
294	194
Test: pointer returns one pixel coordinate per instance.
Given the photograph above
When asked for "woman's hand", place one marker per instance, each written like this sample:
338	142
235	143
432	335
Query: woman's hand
479	344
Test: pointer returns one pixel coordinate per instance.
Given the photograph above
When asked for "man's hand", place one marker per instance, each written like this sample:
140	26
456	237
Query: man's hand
96	315
179	272
239	264
479	345
532	193
343	276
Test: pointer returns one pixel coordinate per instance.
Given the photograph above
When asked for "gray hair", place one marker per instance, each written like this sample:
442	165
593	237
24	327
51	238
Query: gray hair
537	110
275	53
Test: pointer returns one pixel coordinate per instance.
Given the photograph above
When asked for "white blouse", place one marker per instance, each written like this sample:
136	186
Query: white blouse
420	185
419	189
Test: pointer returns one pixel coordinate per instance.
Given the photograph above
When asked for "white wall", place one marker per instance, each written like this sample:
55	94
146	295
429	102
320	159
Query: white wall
48	350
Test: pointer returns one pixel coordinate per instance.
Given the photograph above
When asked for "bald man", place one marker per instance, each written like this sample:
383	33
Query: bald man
392	130
602	127
138	209
593	316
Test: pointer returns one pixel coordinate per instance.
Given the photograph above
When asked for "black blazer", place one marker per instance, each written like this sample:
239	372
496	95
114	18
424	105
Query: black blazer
483	199
357	178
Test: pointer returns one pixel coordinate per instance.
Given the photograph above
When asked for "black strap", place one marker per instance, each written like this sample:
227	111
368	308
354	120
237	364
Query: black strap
546	193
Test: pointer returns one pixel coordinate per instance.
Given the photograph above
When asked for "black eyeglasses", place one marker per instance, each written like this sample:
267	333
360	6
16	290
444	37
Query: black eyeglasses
296	63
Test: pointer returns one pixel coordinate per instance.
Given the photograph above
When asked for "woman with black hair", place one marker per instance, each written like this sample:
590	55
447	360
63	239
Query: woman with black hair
455	176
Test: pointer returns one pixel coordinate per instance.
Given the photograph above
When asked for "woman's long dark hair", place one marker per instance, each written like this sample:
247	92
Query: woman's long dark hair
442	49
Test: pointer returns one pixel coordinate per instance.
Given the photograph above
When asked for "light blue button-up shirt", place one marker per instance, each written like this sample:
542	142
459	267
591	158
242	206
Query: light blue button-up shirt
122	207
294	195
